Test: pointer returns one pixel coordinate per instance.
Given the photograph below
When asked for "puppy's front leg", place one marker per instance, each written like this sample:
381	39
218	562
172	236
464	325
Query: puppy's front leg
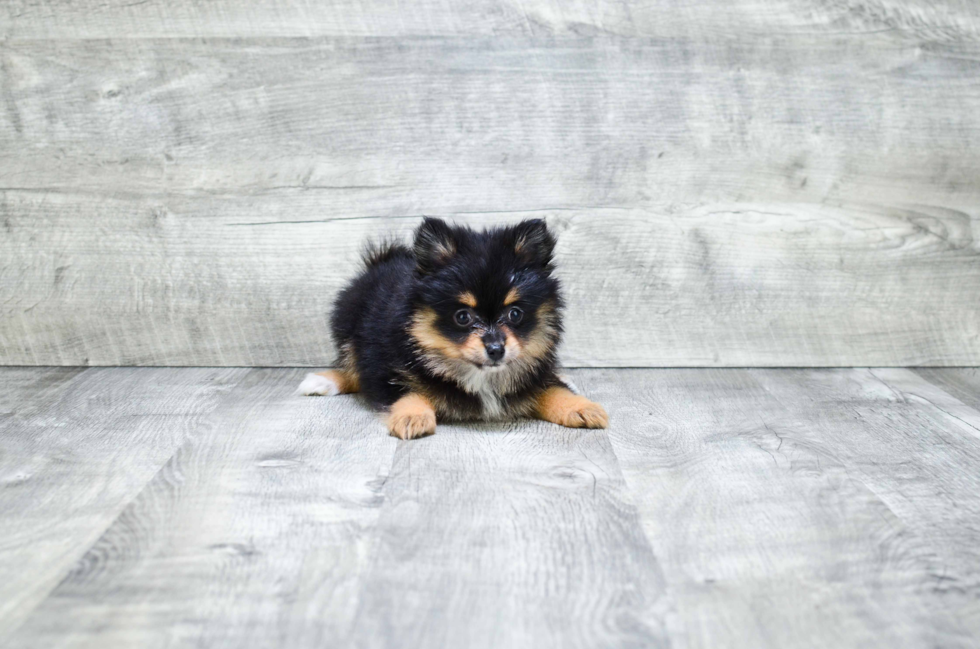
560	405
412	416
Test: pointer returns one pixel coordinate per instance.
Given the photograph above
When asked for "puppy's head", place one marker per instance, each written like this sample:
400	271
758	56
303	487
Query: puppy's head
487	301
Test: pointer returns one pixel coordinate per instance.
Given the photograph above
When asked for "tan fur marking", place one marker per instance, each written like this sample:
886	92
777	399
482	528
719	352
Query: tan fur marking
473	349
347	382
439	403
542	339
424	332
519	245
444	251
562	406
411	416
512	345
513	295
348	368
468	299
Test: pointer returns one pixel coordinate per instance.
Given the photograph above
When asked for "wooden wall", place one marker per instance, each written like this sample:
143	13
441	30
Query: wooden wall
735	182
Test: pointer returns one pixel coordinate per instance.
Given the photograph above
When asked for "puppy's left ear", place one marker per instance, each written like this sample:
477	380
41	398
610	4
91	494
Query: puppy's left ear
533	242
435	244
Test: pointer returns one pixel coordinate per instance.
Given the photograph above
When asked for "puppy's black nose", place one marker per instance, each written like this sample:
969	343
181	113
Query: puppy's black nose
495	351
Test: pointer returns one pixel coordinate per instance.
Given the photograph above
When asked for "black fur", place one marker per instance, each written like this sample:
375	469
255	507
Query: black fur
373	317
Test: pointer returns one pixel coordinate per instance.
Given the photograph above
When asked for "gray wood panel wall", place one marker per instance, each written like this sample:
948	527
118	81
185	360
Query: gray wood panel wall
734	182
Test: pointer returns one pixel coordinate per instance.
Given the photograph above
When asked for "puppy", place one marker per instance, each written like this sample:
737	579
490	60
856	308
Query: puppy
464	325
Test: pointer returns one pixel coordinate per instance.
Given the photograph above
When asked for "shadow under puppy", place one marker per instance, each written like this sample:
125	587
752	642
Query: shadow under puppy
465	325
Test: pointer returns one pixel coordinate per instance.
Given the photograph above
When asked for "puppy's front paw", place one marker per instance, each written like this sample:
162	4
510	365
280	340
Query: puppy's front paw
412	426
411	417
587	415
561	406
318	385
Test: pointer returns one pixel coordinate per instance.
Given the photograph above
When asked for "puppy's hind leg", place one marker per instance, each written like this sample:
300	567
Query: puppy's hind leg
329	383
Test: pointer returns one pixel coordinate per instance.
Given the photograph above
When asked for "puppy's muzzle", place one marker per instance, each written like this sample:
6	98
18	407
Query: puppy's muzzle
493	341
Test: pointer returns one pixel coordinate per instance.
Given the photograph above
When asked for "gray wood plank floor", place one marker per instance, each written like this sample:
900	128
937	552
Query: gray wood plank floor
150	507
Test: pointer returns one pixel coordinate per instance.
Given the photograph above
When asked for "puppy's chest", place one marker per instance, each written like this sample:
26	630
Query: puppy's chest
487	389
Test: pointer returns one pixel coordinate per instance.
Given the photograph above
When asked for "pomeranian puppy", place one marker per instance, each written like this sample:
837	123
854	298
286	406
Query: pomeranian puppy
464	325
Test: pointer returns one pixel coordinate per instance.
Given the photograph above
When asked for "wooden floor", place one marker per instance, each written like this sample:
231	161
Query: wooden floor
752	508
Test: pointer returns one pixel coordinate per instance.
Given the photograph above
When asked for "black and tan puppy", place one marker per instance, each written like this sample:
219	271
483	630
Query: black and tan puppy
463	326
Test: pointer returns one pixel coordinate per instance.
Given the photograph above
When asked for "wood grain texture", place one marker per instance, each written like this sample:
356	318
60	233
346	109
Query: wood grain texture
252	533
791	508
233	18
75	449
722	508
725	286
390	126
962	383
907	449
798	199
510	536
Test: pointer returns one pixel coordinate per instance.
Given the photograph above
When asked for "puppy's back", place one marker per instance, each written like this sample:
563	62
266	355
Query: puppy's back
368	312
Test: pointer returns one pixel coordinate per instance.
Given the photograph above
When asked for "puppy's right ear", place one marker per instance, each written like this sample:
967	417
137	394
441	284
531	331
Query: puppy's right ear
534	243
435	244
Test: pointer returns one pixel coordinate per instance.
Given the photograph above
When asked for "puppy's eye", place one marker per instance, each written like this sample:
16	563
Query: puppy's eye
515	315
463	317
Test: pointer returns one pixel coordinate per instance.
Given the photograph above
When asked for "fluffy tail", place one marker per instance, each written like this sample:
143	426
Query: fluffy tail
376	253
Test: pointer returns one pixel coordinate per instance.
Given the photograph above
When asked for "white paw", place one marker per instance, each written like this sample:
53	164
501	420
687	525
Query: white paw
314	384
